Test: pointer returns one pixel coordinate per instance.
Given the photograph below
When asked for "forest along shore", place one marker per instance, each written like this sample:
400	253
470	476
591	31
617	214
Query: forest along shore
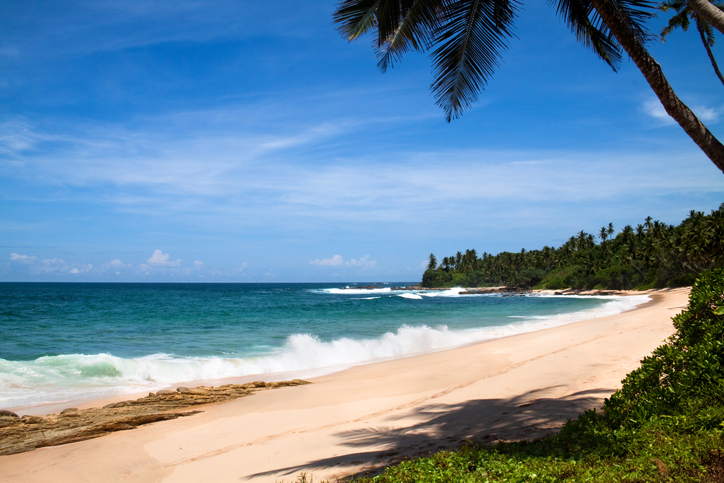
506	290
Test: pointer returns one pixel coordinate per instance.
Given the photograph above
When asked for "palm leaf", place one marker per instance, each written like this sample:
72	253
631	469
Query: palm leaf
589	29
356	17
414	31
635	14
680	20
707	30
471	39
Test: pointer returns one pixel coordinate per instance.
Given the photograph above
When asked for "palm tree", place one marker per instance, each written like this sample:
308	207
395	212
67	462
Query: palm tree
706	11
432	264
682	19
468	37
603	235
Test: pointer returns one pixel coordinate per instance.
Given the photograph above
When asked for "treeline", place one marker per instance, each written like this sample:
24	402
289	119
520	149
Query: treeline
650	255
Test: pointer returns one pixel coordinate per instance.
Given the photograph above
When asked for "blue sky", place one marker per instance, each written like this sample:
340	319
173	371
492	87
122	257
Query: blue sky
245	141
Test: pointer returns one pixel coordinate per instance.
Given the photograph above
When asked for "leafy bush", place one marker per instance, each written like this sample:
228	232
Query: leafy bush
686	373
435	278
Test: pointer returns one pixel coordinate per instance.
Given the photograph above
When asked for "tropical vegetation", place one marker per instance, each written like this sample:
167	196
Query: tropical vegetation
651	255
666	423
468	36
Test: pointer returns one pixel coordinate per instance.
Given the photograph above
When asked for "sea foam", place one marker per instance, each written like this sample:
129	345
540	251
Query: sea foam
78	376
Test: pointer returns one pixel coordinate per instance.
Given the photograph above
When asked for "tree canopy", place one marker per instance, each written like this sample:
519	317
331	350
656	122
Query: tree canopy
652	254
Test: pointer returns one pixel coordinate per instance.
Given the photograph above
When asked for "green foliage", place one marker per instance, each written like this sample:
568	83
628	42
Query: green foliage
686	373
665	424
435	278
652	255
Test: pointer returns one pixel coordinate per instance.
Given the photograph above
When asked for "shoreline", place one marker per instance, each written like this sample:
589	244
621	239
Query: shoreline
90	402
518	387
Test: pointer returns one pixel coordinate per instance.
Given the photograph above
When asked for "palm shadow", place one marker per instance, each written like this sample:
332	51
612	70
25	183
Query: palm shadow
436	427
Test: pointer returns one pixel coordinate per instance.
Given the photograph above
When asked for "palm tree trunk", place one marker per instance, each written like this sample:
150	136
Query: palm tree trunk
708	12
708	50
651	70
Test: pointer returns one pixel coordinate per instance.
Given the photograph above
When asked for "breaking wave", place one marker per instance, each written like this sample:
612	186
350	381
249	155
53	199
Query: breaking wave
78	376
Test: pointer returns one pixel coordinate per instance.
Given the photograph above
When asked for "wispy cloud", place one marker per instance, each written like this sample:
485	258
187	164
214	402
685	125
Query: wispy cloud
706	114
102	26
335	261
339	261
653	108
16	257
50	265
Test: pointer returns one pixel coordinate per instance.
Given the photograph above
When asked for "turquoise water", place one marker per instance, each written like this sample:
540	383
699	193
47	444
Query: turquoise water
63	342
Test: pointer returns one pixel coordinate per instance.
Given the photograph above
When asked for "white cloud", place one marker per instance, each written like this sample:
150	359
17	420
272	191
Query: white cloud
16	257
83	269
116	266
335	261
338	261
198	264
50	265
363	262
706	114
653	108
19	135
160	259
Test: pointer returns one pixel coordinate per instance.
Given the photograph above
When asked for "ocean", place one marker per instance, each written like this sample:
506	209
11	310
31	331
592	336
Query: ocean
66	342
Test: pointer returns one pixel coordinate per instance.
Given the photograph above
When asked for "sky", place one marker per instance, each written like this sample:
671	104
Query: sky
247	141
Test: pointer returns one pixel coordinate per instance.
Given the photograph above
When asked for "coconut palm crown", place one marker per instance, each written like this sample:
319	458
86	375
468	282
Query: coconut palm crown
467	38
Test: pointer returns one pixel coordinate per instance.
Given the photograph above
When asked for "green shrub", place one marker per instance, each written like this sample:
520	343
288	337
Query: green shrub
687	372
435	278
615	277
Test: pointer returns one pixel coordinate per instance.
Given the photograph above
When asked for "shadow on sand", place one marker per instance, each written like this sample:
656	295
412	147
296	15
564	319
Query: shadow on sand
434	427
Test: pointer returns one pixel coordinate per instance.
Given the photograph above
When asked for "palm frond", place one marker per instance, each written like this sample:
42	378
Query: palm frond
471	38
584	21
677	5
635	14
680	20
414	31
706	30
356	17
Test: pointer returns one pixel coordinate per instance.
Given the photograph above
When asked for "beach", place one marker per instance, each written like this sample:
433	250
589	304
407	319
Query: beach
518	387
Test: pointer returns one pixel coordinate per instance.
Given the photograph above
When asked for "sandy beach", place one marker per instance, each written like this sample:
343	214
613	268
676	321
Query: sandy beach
523	386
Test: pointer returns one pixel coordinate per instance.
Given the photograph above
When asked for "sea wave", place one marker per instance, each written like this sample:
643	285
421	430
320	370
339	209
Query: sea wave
78	376
353	290
409	294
